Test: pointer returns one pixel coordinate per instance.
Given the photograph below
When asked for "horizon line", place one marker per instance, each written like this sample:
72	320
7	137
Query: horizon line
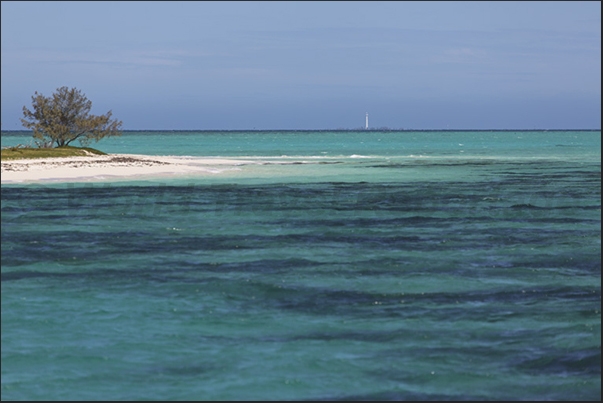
334	130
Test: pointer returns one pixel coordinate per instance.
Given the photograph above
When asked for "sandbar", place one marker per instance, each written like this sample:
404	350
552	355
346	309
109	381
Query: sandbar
115	166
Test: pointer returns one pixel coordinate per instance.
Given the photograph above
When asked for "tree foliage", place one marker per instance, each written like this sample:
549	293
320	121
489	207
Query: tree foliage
65	117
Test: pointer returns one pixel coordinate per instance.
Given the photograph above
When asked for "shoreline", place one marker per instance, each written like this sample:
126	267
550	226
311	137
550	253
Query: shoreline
116	166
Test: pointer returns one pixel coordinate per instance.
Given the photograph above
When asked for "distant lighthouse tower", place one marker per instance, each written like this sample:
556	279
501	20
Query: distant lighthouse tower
366	127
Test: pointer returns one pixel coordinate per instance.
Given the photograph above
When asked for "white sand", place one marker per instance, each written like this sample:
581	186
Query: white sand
98	168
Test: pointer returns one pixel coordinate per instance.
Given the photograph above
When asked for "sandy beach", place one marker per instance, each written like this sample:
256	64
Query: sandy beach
113	166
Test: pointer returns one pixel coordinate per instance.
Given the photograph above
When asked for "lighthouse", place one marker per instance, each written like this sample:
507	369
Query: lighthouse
366	127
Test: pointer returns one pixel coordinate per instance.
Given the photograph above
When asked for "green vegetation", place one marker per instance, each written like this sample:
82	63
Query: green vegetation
65	117
15	153
58	120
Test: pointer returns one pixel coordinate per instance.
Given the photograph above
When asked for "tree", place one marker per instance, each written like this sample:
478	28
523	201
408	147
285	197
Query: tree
65	117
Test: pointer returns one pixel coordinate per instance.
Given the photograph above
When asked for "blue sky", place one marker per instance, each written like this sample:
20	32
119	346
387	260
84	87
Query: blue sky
310	65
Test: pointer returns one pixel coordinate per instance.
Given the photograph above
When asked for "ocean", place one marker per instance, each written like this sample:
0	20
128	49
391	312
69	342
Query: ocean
427	265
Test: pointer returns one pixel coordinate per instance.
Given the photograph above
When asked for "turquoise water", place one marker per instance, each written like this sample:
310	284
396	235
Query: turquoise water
396	265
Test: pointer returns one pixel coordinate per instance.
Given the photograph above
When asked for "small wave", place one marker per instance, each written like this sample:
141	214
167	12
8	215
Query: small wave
219	171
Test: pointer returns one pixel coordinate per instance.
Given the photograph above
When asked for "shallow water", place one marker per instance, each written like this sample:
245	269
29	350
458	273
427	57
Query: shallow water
427	265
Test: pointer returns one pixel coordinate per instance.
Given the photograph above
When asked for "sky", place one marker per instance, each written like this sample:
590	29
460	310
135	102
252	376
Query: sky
310	65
